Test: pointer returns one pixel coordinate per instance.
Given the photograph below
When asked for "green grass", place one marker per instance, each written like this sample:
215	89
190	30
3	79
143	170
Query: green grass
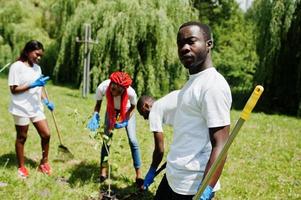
264	161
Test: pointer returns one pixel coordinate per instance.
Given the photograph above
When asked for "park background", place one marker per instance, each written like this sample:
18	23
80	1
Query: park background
260	45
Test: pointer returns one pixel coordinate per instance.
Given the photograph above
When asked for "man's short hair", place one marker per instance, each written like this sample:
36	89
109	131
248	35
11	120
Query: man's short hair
143	99
205	28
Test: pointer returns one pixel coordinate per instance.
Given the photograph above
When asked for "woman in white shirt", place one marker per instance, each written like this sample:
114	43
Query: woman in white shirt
25	81
121	102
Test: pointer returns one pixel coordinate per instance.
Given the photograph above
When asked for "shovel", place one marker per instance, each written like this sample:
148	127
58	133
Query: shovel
3	68
62	148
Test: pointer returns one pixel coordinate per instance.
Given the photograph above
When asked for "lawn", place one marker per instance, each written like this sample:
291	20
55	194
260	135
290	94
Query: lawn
264	161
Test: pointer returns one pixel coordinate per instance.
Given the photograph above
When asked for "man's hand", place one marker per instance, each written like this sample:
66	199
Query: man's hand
149	178
94	122
121	124
207	194
49	104
39	82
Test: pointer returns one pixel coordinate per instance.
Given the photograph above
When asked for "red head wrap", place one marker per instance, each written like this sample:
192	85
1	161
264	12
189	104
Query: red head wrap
121	78
124	80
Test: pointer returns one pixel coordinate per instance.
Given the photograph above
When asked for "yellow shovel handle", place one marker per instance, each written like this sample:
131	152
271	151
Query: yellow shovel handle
245	114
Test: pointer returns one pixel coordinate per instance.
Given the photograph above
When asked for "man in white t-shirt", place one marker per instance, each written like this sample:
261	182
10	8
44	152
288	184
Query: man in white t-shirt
158	113
121	102
202	120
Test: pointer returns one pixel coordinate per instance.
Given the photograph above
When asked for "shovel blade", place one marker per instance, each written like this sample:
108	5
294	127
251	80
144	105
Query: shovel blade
65	151
104	195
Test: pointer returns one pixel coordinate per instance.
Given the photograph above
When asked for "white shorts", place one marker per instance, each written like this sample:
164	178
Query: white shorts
23	121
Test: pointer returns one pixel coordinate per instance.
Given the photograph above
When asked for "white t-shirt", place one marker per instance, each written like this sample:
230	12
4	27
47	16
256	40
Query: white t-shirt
27	103
101	92
163	111
204	102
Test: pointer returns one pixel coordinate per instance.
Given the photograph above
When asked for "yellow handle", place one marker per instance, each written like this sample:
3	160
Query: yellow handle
245	114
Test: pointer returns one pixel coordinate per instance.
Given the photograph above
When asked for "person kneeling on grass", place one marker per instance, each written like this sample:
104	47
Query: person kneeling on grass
25	81
121	102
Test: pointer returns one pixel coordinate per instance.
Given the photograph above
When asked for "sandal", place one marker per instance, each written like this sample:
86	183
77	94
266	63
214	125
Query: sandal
45	168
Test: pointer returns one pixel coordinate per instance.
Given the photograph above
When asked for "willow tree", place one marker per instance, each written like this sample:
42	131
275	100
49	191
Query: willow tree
20	21
278	47
234	52
135	36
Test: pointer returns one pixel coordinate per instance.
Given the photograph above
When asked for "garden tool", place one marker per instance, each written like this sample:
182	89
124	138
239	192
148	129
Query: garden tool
160	169
5	66
61	148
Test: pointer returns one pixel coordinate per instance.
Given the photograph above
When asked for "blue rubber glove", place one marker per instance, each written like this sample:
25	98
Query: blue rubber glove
121	124
39	82
49	104
207	194
94	122
149	178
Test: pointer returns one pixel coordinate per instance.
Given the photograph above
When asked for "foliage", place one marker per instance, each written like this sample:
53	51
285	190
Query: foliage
234	52
278	47
139	37
134	36
263	162
19	25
